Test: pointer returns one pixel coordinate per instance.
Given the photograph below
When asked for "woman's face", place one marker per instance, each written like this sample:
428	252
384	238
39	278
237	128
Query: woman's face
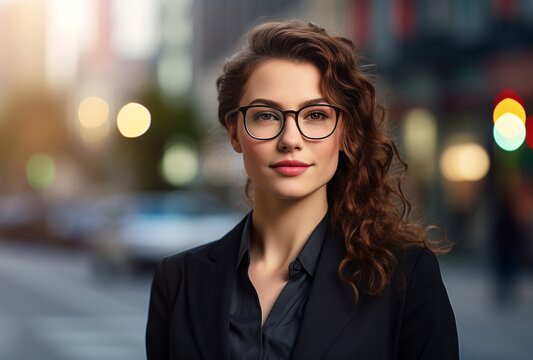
288	85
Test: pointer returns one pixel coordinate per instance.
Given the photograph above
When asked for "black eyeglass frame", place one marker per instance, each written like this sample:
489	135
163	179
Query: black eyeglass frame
244	109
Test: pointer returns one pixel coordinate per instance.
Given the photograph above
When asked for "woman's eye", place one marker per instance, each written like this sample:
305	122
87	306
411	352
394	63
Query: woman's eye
317	116
266	116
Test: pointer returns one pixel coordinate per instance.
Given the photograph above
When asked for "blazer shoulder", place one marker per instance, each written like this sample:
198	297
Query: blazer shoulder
422	283
415	256
176	261
170	272
207	251
416	262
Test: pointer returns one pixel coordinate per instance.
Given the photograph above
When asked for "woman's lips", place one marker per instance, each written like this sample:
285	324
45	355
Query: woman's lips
290	167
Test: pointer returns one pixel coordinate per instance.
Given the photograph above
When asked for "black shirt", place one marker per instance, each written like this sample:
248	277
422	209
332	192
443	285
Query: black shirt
276	338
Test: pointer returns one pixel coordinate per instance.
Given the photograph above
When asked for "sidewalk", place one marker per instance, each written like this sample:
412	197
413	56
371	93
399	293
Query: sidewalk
486	330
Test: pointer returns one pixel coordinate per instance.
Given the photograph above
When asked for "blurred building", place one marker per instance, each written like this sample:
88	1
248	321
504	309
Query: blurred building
438	67
446	61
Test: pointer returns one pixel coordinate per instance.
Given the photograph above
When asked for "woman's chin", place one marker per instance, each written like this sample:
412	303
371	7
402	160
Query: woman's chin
291	193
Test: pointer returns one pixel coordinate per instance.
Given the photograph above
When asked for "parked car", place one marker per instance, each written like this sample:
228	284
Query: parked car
48	221
155	225
22	218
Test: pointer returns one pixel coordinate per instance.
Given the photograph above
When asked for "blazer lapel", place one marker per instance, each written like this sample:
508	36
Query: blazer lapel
209	281
330	304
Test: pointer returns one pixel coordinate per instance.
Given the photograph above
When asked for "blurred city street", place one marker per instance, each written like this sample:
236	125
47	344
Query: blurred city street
112	155
487	331
53	308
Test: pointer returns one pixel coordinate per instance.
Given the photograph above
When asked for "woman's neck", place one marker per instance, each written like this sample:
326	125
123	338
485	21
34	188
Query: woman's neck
281	227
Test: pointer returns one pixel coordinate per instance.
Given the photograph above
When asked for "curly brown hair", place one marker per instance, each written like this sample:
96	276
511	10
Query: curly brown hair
368	208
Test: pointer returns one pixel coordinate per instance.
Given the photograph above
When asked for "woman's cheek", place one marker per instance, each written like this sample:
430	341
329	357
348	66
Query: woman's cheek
252	161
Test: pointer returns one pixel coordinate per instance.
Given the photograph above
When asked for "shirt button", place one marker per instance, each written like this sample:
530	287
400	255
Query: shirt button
296	266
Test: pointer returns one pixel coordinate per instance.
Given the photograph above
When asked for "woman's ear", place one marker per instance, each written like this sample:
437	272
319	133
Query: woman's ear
234	135
342	146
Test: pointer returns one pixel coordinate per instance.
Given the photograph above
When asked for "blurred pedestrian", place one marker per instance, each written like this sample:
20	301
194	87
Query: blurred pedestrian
506	253
510	252
326	264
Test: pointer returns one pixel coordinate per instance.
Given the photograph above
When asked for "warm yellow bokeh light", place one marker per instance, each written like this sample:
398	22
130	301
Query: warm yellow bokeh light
420	135
93	112
509	105
133	120
95	135
464	162
509	125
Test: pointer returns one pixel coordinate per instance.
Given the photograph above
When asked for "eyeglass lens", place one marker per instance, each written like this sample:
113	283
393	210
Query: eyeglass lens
316	121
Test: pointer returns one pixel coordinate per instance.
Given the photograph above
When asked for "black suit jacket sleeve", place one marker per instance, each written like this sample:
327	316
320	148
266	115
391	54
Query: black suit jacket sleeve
157	331
428	329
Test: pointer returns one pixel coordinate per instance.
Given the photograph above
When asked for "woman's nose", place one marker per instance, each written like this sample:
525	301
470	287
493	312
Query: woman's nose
290	137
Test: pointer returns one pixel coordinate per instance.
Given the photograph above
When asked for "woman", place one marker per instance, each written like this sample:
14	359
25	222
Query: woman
325	266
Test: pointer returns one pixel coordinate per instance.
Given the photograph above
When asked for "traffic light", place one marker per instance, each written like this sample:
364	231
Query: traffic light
511	127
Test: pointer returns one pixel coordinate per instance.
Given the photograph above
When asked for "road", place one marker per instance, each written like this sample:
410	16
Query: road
52	307
488	331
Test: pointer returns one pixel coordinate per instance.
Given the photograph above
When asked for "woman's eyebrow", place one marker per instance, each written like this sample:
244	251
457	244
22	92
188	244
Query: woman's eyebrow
276	104
312	101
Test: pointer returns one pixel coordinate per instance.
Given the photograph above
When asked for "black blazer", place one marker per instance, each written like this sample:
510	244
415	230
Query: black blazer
189	309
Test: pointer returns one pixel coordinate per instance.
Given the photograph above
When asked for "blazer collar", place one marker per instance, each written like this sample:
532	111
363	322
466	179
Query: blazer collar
330	305
209	280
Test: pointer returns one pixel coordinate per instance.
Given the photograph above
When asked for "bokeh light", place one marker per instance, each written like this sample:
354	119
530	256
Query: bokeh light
507	94
174	74
529	131
509	106
133	120
464	162
93	112
509	132
420	138
179	165
510	143
509	125
40	171
95	135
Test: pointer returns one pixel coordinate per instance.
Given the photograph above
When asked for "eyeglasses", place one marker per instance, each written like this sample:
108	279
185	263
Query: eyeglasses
263	122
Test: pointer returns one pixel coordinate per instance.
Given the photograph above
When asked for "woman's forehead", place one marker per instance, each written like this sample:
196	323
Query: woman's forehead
285	82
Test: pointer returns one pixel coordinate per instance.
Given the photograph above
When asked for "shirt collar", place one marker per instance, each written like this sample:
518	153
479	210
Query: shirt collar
310	252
